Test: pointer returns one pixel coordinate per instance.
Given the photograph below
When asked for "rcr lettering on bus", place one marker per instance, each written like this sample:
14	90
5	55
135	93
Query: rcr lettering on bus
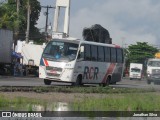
90	73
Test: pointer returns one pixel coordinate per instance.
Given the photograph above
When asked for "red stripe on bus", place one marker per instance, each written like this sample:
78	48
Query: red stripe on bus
46	62
117	46
109	71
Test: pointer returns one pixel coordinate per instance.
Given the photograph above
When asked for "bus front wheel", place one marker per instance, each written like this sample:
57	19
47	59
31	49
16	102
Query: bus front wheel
47	82
78	81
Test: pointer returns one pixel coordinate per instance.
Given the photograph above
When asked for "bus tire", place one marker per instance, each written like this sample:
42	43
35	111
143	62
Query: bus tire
114	83
47	82
78	81
107	82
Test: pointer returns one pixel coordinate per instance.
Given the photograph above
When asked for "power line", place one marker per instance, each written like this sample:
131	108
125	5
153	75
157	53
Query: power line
47	9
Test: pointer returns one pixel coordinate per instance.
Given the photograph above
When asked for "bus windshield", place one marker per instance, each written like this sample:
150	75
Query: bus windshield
135	70
60	51
154	63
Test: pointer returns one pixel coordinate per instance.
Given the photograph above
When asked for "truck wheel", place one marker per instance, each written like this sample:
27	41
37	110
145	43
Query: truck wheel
148	82
78	81
37	73
47	82
2	71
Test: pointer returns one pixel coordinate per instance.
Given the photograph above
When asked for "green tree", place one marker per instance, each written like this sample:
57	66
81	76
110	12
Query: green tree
10	19
139	52
34	16
9	16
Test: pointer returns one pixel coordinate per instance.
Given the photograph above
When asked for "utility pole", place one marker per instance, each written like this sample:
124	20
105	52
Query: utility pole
17	27
47	7
28	21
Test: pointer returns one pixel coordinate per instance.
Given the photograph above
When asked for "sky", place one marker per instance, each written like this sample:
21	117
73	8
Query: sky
128	21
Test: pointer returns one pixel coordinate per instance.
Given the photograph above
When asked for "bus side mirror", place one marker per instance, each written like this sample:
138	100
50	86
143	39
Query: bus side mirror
81	54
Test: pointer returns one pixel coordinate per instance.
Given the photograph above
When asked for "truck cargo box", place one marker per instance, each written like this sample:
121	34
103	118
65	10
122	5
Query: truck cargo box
30	52
6	43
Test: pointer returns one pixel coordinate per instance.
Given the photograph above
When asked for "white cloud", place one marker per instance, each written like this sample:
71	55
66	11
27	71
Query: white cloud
41	21
128	21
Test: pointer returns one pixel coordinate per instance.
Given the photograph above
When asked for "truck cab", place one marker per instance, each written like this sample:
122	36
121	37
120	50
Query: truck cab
153	71
135	71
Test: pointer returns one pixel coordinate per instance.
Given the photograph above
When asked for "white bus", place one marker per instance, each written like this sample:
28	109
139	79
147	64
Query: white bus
81	62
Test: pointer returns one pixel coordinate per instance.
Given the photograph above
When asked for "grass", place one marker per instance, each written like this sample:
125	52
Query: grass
121	99
3	101
17	103
121	102
113	102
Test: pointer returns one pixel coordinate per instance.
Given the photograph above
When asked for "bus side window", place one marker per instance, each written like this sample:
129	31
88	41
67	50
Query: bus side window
100	54
87	53
107	54
113	54
119	55
94	53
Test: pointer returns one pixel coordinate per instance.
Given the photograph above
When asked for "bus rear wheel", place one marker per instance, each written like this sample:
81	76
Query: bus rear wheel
106	83
47	82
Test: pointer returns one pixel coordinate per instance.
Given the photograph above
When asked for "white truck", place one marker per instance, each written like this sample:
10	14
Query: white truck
6	44
135	71
31	56
153	70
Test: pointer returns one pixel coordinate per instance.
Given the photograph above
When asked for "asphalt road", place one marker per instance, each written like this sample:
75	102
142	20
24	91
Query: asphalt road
34	81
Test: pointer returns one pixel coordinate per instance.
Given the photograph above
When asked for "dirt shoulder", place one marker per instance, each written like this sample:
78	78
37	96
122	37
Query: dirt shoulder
52	96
